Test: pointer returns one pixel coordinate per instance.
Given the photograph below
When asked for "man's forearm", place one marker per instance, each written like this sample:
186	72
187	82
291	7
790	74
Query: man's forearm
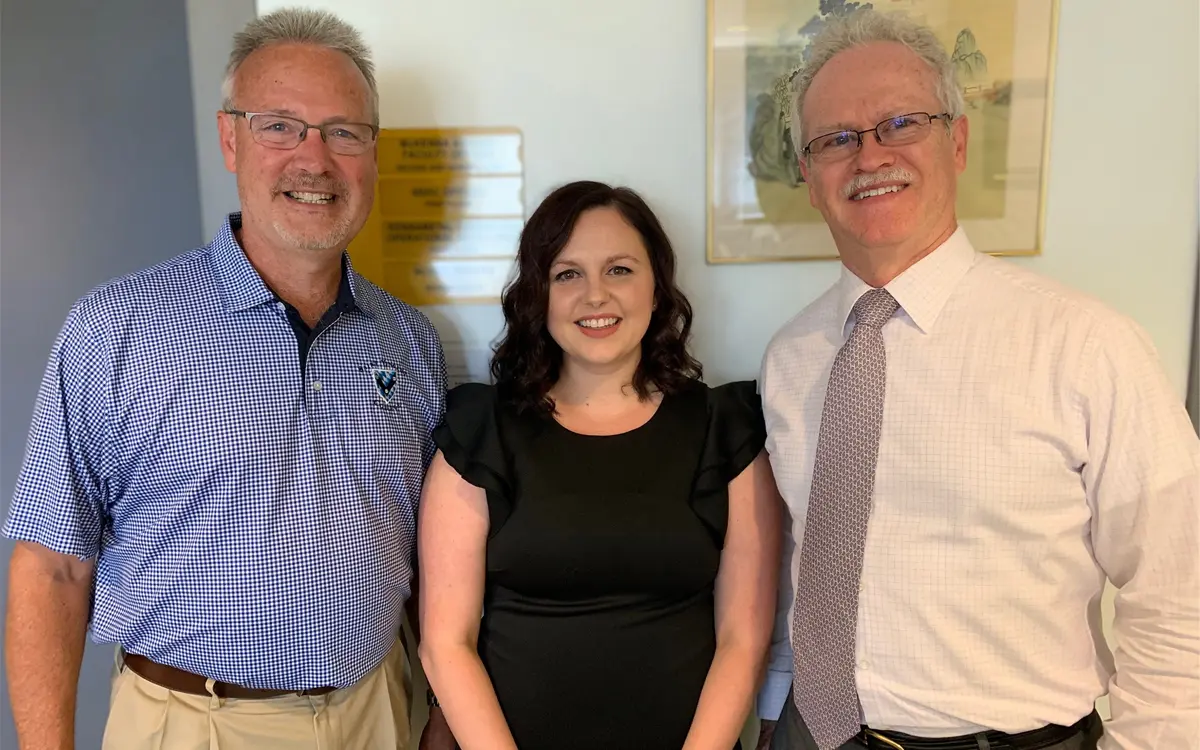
45	632
1154	697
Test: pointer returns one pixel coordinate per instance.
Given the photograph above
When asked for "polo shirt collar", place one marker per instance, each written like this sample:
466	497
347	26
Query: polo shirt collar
242	288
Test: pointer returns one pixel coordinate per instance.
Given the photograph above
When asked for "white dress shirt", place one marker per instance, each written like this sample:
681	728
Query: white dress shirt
1031	446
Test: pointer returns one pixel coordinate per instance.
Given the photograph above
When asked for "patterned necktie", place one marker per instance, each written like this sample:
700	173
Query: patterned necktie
825	616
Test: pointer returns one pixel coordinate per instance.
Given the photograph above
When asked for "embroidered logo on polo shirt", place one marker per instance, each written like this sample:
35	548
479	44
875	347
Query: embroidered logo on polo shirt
385	382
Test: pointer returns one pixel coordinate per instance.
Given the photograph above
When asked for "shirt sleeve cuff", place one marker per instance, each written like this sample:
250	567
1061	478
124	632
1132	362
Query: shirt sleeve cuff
773	695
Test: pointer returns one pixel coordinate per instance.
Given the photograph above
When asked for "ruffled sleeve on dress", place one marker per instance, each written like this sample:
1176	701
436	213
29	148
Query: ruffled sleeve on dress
736	435
470	440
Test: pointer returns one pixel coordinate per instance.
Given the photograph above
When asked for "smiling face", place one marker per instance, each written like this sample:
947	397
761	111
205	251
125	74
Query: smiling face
898	197
306	198
601	294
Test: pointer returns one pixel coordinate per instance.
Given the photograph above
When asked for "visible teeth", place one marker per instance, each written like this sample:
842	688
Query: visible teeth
598	322
877	191
311	197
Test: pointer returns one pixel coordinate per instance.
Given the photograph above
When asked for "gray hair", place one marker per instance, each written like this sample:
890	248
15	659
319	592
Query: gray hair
864	27
301	26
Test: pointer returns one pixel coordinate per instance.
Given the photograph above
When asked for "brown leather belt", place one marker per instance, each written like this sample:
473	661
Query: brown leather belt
194	684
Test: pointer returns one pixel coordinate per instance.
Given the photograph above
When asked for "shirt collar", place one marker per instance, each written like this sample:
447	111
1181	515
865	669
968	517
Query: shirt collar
922	289
363	295
345	296
242	288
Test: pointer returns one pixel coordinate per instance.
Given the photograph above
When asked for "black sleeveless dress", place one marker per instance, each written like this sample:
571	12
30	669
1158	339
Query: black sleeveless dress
598	619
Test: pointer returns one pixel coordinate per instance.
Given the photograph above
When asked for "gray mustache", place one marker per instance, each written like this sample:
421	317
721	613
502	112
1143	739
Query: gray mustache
866	181
313	183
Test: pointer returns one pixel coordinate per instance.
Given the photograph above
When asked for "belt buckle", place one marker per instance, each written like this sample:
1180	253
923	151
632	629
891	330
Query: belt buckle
885	740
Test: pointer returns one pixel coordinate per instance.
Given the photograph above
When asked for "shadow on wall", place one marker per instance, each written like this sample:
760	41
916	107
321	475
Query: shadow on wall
98	155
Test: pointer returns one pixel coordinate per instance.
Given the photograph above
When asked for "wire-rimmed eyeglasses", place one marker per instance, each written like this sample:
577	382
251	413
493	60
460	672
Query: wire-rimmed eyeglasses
900	130
283	132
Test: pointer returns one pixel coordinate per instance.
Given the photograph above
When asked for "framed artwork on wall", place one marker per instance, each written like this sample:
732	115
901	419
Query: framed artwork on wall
758	208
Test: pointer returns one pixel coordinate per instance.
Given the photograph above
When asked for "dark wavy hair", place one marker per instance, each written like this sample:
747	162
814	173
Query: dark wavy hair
527	362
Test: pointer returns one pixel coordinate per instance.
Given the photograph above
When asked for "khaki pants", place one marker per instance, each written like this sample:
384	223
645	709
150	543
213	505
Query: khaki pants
372	714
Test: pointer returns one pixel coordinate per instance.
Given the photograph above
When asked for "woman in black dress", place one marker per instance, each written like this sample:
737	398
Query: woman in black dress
599	533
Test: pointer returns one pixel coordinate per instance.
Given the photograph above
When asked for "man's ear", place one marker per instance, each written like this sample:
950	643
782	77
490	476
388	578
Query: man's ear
227	132
959	132
807	175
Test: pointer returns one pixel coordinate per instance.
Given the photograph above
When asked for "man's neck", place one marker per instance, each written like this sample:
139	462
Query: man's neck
307	280
877	266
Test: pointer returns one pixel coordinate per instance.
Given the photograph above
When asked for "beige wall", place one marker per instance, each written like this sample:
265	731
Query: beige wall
616	91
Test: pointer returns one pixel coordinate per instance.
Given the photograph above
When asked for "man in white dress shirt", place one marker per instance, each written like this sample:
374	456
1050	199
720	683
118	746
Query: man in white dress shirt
972	450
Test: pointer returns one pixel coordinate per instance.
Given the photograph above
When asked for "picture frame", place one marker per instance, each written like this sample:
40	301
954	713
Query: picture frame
758	208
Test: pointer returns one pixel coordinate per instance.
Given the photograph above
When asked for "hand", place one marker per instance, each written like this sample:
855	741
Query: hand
766	731
437	735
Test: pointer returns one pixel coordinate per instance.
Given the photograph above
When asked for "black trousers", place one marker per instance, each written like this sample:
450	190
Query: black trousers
792	734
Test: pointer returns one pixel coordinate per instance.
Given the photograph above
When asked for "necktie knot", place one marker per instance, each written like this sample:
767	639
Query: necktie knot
875	308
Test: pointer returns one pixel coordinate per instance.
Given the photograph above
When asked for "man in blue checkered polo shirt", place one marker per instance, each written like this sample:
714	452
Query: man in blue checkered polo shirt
228	449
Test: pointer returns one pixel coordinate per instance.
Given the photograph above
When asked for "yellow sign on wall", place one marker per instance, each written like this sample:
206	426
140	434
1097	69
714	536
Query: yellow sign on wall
448	212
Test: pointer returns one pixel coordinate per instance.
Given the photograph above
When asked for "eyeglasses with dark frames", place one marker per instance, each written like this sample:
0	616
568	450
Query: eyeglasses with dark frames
283	132
900	130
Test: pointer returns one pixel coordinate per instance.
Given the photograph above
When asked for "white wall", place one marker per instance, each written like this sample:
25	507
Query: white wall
616	91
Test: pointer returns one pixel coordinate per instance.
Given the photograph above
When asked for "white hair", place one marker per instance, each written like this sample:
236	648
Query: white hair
301	26
864	27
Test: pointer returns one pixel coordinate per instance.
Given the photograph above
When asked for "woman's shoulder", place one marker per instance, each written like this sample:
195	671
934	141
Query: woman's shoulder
742	392
727	414
470	410
735	436
470	439
738	399
736	428
469	397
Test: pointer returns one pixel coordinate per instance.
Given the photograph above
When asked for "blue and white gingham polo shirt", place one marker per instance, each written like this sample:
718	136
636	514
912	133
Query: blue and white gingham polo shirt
251	523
